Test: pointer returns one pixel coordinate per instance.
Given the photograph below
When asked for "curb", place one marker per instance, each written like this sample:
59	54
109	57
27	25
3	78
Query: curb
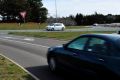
21	67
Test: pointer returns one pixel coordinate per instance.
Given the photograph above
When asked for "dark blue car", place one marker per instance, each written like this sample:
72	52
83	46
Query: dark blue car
95	53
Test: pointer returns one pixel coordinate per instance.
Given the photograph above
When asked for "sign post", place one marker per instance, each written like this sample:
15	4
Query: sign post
23	14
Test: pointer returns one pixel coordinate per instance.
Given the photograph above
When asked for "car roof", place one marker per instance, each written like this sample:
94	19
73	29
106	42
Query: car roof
112	37
57	23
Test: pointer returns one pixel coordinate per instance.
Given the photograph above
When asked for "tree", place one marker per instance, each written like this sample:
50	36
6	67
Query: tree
10	9
95	18
37	12
43	12
79	19
117	18
90	19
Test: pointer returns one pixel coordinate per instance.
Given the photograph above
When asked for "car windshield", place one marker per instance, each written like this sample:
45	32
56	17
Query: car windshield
55	24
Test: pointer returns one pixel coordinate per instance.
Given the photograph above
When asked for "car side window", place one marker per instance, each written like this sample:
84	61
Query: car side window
98	46
78	44
114	50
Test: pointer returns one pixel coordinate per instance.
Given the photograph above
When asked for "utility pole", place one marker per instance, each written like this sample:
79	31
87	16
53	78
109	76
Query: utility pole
56	10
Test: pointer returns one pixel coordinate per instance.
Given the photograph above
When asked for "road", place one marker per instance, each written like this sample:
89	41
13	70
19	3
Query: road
68	30
30	53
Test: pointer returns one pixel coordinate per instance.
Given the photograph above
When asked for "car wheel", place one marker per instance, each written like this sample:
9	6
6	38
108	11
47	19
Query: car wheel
52	64
47	29
52	29
62	29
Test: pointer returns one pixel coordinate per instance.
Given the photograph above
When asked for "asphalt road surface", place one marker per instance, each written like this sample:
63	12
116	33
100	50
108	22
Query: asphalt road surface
89	28
30	53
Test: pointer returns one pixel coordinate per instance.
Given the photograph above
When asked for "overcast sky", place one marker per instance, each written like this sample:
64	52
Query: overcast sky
67	7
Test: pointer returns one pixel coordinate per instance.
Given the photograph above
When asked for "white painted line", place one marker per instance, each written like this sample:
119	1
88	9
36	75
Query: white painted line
20	67
7	37
25	43
28	39
12	38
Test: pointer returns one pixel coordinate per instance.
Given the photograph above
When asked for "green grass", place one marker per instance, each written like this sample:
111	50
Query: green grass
56	35
26	26
75	27
9	71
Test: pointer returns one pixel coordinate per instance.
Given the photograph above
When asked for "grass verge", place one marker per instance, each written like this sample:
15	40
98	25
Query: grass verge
9	71
24	26
57	35
30	25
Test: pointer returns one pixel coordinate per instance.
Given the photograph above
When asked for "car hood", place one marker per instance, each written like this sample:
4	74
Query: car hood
55	48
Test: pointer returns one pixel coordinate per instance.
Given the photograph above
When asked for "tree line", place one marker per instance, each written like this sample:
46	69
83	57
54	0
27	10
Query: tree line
10	10
81	19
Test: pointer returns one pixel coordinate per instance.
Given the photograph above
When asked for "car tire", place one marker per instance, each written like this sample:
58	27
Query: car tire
53	65
47	29
52	29
62	29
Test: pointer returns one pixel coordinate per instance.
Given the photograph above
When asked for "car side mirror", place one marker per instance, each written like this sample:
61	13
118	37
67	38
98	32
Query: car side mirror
65	45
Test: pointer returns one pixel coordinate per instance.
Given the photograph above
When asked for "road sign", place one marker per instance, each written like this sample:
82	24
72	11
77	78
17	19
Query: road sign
23	14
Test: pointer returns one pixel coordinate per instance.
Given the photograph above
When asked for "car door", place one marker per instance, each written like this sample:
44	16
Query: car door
113	63
57	26
69	55
96	55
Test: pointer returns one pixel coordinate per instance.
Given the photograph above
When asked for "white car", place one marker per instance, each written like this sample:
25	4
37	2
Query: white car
55	26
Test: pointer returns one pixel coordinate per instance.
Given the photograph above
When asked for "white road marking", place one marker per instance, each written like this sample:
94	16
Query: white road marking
28	39
7	37
12	38
25	43
21	67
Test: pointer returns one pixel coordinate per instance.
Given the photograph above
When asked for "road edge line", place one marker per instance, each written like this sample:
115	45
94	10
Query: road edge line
20	67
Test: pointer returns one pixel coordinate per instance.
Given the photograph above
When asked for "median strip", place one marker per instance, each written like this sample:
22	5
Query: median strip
57	35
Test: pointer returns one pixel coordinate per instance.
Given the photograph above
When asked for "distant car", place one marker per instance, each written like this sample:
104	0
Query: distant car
94	53
55	26
95	24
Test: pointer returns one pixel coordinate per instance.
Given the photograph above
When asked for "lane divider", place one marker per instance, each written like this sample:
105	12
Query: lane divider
27	39
21	67
25	43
